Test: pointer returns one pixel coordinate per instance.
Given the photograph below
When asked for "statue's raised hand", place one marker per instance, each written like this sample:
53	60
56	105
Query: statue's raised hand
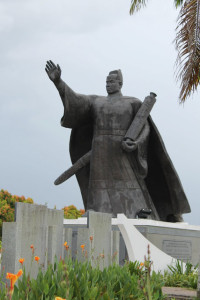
53	71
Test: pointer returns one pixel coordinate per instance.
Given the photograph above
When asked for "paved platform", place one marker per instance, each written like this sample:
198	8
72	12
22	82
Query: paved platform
179	293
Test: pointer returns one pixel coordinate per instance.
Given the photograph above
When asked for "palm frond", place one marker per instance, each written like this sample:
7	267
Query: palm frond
178	3
188	46
136	5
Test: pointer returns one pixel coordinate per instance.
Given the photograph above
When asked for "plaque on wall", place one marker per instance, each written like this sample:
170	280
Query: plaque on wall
178	249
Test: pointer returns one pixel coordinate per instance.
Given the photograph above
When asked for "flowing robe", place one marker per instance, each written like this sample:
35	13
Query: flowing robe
114	181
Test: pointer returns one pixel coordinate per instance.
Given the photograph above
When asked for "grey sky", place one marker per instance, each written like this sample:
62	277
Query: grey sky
88	39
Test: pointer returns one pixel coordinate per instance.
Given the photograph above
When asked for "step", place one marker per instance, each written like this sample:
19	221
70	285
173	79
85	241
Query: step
178	293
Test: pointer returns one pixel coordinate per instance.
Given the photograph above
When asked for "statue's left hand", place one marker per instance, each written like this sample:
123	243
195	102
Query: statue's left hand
129	145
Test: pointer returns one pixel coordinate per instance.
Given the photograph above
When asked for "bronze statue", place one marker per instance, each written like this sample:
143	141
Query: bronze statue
119	158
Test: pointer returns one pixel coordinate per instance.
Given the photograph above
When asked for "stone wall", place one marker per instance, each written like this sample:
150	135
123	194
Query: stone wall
34	225
43	228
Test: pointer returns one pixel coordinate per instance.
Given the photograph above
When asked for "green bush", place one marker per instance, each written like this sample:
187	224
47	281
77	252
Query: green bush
71	212
76	280
178	277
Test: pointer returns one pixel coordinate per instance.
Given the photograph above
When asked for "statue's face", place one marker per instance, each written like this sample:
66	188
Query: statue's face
113	85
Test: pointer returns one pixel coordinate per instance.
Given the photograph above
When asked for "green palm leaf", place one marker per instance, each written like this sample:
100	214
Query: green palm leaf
137	5
188	46
178	2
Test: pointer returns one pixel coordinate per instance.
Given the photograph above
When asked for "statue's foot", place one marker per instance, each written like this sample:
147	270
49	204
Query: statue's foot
143	213
174	218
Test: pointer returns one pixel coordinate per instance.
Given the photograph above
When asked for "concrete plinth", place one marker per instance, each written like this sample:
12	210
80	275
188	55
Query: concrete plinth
99	225
67	237
34	225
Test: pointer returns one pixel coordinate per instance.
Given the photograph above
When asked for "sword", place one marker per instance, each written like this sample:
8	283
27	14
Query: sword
132	133
79	164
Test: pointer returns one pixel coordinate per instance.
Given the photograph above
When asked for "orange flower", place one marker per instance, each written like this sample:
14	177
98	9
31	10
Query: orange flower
59	298
66	246
91	238
20	272
21	260
141	264
82	211
13	278
82	247
37	258
33	249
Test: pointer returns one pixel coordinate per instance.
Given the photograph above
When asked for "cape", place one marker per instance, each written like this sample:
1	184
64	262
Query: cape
162	180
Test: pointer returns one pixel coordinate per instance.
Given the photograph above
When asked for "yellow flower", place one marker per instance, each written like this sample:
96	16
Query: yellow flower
65	244
59	298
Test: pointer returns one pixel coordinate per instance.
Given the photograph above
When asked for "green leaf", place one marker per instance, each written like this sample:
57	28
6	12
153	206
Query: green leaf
46	288
93	293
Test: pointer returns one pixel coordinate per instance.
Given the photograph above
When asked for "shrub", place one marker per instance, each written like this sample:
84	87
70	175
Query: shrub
178	277
76	280
71	212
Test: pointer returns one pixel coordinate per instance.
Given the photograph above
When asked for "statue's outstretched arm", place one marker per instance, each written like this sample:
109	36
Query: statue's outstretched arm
76	106
54	73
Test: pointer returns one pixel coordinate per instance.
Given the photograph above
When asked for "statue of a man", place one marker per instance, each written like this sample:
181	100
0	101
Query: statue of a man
122	176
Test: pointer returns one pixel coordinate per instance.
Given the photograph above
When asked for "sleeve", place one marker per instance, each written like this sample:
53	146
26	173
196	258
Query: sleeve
77	107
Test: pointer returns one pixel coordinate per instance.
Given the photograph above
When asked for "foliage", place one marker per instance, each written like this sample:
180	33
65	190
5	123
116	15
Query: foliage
178	3
138	4
71	279
136	268
7	206
188	47
178	277
71	212
76	280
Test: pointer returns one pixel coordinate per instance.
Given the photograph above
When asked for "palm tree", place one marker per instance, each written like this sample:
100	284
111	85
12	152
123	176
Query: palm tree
187	43
137	4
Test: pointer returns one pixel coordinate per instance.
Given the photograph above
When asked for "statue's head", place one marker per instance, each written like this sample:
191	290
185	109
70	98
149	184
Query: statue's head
114	82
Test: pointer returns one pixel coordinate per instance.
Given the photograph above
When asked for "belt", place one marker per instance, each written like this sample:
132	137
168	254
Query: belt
110	132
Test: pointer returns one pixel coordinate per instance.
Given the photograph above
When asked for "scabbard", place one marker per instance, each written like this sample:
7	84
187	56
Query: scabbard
141	117
79	164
